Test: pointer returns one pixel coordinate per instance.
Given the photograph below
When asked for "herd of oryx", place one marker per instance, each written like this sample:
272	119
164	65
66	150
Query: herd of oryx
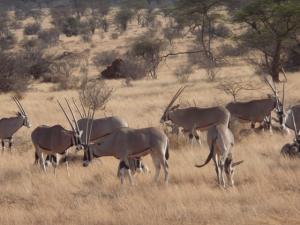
111	136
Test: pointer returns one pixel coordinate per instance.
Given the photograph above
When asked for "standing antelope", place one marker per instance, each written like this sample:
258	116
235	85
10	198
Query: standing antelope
193	119
9	126
220	141
259	111
127	143
102	127
56	140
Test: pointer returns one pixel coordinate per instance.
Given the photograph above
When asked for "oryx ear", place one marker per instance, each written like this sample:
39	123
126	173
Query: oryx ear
237	163
175	107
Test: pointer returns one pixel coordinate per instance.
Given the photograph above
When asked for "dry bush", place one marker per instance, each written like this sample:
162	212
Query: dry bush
7	39
104	58
234	87
32	28
95	93
114	36
14	72
133	69
50	36
183	73
123	17
62	73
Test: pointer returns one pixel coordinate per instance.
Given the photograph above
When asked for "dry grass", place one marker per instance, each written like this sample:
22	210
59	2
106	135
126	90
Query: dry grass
267	186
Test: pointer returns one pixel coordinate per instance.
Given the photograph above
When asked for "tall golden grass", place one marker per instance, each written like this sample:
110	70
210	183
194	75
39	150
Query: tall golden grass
267	187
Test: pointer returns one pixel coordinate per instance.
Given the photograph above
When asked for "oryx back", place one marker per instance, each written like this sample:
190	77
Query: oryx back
102	127
254	111
54	139
200	118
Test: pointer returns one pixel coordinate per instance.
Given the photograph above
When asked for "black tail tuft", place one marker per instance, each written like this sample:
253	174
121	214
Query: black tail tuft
167	152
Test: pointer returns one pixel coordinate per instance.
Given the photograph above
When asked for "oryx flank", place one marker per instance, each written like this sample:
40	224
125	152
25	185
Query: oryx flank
193	119
9	126
55	141
259	111
220	141
127	143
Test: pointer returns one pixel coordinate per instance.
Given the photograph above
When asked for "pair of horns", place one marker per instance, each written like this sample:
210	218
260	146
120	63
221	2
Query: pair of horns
19	106
76	127
178	93
294	123
89	124
82	114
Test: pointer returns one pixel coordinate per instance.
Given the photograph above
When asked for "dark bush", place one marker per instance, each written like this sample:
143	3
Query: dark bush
123	17
13	72
71	27
32	28
50	37
7	39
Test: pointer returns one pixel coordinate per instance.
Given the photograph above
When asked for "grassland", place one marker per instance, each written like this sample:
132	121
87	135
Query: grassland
267	186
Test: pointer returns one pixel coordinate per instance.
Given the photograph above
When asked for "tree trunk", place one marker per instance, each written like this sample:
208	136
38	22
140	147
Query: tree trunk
275	69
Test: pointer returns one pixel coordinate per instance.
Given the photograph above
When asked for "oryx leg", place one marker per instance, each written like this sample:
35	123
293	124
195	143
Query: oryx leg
125	170
252	125
3	145
10	141
43	162
196	134
216	162
55	164
157	164
66	162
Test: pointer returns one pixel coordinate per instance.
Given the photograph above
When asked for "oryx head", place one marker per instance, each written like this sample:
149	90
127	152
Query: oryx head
170	107
77	133
279	104
22	113
229	167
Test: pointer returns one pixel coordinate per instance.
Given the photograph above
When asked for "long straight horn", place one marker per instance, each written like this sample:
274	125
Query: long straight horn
77	108
83	109
91	126
73	115
175	97
270	85
87	126
283	93
294	122
66	116
19	106
284	74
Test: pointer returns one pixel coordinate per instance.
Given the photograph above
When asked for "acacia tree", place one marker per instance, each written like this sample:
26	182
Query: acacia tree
271	27
200	18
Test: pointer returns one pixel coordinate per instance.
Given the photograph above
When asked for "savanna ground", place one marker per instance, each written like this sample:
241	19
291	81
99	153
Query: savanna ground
267	185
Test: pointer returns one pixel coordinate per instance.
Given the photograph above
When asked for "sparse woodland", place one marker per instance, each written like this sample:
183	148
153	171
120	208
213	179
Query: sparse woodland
222	51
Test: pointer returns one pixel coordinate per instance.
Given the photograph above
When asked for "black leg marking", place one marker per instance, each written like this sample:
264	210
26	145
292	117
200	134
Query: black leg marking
10	142
191	135
197	137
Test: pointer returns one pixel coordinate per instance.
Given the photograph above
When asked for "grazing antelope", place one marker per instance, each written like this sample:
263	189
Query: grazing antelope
220	141
9	126
127	143
56	140
259	111
293	149
192	119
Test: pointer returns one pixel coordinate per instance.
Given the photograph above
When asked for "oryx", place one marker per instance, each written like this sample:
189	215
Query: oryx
293	123
56	140
135	166
127	143
193	119
101	127
220	141
293	111
259	111
9	126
